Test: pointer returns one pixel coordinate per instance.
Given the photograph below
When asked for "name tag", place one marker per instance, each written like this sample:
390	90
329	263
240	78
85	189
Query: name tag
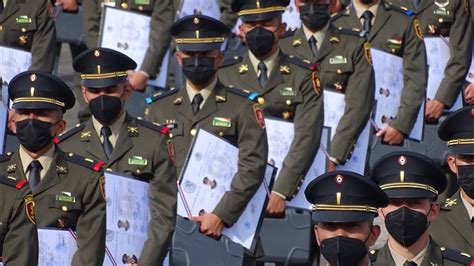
137	160
287	92
65	198
23	19
337	60
142	2
221	122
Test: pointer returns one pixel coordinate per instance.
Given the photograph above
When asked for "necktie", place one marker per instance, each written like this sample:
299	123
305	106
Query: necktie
263	73
34	175
108	148
1	7
367	15
196	103
409	263
314	47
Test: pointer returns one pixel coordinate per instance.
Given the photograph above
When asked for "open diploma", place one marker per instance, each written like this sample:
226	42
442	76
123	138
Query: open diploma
389	85
128	32
437	56
207	175
280	135
56	247
12	62
334	107
128	215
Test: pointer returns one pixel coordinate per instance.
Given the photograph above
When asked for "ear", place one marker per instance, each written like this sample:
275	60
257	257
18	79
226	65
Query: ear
12	120
59	128
315	229
435	209
452	164
242	33
374	235
127	91
219	60
179	57
84	94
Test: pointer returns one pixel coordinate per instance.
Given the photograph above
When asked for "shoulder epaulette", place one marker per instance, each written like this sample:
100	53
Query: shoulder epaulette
400	9
18	184
289	33
352	32
306	64
153	126
69	133
94	165
337	15
231	61
456	256
252	96
373	255
159	95
6	157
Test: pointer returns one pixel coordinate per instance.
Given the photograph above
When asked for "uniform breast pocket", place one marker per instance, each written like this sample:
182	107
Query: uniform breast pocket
24	32
142	5
139	166
286	105
225	127
68	209
336	76
394	46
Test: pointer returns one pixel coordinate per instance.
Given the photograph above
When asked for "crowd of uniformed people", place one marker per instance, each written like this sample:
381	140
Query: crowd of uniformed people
52	173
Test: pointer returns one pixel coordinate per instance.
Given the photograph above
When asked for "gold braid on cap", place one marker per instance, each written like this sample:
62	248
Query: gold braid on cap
200	40
261	10
360	208
38	100
460	142
409	185
104	75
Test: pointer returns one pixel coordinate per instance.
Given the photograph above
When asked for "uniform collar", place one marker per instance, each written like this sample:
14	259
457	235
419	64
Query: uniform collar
205	92
269	62
399	260
360	9
115	127
319	35
468	206
46	160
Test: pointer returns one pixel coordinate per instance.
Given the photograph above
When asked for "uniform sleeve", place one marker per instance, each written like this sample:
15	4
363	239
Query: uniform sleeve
460	59
253	153
308	123
415	76
163	201
91	21
359	101
43	48
160	38
20	246
91	227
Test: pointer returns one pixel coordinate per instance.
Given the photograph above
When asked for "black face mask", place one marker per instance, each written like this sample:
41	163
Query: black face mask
406	225
466	179
367	2
34	134
342	251
260	41
199	69
314	16
105	108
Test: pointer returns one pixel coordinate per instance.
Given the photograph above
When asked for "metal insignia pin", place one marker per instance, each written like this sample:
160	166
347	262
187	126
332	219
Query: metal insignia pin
196	21
97	53
402	160
33	77
339	179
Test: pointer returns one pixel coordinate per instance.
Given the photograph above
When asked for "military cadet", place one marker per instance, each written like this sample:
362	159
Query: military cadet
226	112
455	226
27	25
287	88
162	14
18	235
448	19
344	207
394	30
126	144
412	183
65	186
345	67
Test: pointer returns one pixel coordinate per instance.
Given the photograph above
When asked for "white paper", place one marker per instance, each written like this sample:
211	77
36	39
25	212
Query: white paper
389	85
128	32
210	168
128	216
12	62
280	135
56	247
437	56
334	107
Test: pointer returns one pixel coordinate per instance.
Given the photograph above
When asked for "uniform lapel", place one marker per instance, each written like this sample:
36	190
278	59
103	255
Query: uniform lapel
93	146
15	167
432	255
185	108
353	19
52	178
460	220
210	106
10	9
380	20
301	45
123	143
248	76
326	46
384	257
276	77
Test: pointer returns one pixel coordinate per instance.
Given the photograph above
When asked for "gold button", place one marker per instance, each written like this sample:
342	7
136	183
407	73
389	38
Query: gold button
440	20
23	29
171	135
140	8
221	134
138	171
339	71
64	208
1	27
193	132
108	169
288	102
261	100
124	5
